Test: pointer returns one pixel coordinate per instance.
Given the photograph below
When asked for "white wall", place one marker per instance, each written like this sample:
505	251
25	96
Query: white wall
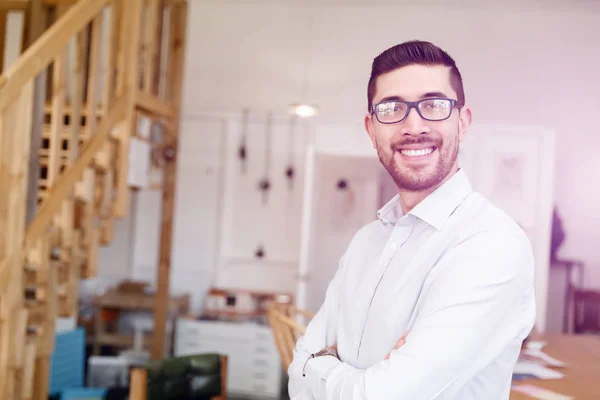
523	63
114	261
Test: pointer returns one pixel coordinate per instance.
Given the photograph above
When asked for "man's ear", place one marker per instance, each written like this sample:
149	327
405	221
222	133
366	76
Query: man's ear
370	129
464	121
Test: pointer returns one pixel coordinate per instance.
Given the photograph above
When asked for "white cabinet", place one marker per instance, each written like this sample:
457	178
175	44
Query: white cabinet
254	368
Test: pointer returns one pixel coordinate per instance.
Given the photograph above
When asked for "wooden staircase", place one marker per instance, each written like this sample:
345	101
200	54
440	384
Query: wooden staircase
70	105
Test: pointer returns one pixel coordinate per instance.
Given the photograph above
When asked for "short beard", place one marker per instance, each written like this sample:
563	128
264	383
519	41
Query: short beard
418	181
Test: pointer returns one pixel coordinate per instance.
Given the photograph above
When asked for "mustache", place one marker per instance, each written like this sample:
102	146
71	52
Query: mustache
396	146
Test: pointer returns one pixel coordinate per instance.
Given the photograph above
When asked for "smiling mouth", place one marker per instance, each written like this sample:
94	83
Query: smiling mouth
418	153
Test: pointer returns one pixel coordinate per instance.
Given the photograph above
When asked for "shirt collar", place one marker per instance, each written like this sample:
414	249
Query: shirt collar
391	212
435	208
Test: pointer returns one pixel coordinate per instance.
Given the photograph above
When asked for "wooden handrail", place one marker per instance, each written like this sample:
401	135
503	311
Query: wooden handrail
41	53
154	105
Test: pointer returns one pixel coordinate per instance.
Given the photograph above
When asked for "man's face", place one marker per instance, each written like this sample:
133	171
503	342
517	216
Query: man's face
419	154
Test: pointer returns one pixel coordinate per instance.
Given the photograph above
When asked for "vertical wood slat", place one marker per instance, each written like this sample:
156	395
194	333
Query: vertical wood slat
74	276
59	82
111	53
15	162
19	331
9	121
165	50
176	66
41	378
151	40
20	173
122	45
78	71
28	370
139	384
38	19
132	18
93	69
5	337
5	148
3	20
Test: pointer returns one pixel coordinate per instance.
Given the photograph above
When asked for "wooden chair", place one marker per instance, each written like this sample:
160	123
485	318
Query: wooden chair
586	311
138	389
286	329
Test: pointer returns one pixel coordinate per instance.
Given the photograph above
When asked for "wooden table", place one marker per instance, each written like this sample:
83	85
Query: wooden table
581	353
119	301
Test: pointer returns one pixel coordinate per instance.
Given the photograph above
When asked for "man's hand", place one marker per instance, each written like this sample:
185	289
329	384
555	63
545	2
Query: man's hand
399	344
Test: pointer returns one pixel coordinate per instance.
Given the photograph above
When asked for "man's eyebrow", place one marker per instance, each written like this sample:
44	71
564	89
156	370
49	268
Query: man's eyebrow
424	96
434	94
391	98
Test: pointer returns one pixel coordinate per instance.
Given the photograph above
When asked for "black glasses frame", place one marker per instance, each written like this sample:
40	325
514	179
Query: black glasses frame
415	105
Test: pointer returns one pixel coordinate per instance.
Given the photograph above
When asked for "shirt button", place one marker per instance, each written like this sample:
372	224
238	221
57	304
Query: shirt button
393	246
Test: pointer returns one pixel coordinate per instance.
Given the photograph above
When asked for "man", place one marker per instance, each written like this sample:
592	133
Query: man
434	299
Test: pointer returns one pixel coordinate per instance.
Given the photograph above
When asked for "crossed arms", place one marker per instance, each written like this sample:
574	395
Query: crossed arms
478	303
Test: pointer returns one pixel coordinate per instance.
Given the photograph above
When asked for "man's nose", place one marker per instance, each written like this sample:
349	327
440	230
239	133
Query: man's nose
413	124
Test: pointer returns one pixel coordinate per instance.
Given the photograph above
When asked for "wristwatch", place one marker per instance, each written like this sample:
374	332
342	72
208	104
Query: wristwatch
327	351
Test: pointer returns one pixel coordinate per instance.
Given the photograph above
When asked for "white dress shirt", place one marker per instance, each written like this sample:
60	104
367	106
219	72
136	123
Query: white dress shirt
457	272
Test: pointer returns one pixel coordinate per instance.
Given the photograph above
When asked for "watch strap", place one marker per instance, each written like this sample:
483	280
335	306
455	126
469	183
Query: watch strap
325	352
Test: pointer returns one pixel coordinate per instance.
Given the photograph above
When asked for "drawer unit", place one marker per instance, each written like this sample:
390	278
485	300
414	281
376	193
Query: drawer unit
254	367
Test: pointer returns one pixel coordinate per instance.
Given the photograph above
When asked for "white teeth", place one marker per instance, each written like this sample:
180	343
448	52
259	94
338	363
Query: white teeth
420	152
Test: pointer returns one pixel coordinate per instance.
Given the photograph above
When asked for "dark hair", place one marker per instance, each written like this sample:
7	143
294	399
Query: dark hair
410	53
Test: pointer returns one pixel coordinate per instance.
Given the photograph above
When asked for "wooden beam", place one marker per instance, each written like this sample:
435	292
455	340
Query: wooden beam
37	16
38	19
14	5
165	41
75	108
41	378
59	83
151	41
19	331
120	49
42	52
154	105
17	124
14	158
139	384
3	23
5	335
176	55
28	370
132	17
111	53
65	182
58	2
92	105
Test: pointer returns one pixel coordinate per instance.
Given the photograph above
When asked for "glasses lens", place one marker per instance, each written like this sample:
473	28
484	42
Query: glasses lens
391	111
435	109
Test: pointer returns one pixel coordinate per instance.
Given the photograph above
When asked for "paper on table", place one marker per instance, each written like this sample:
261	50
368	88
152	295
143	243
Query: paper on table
551	361
541	372
536	344
540	393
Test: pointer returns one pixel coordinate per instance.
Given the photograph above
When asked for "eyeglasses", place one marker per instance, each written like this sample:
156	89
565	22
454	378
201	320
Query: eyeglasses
432	109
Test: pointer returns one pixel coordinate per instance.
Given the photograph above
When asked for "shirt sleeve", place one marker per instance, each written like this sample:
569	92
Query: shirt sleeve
320	333
480	301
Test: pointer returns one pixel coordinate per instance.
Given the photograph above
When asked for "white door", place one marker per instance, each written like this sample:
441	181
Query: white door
341	195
